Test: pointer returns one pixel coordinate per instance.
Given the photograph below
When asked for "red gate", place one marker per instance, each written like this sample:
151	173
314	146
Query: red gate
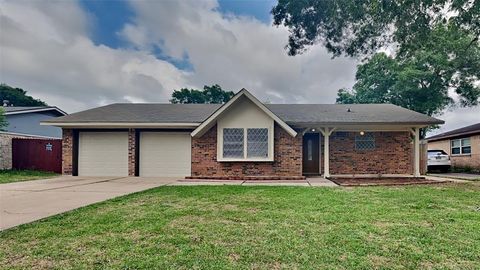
37	154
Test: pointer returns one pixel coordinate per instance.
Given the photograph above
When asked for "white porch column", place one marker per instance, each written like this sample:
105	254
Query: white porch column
326	132
416	171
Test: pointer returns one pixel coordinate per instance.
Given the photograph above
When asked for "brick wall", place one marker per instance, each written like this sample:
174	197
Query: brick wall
67	151
131	152
287	158
5	151
393	154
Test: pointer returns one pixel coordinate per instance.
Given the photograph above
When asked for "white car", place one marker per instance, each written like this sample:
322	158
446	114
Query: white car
438	160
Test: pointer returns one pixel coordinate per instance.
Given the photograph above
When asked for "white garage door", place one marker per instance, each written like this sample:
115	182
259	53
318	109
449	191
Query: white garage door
103	154
165	154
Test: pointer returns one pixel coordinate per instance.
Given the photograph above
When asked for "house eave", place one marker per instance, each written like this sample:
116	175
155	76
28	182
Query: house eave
37	110
119	125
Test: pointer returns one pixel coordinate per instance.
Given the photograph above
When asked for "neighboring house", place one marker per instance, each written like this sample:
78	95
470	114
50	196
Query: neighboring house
463	146
26	120
243	139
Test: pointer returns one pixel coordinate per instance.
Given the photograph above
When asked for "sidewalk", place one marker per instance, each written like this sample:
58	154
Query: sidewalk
309	182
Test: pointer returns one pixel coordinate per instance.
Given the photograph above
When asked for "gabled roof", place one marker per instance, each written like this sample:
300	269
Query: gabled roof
207	124
468	130
345	114
193	115
141	113
10	110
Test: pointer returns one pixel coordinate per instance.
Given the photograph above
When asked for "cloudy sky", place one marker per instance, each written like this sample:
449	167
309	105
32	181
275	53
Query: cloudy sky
78	55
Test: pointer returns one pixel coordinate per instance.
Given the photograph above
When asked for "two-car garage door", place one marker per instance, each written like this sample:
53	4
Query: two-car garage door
160	154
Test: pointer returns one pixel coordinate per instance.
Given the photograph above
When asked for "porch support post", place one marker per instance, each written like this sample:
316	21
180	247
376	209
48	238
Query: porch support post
326	132
416	171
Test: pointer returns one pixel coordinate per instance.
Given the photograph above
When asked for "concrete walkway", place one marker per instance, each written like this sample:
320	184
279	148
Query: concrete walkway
459	176
24	202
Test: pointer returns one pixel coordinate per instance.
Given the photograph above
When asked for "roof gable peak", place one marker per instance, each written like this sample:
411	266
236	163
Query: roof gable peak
208	123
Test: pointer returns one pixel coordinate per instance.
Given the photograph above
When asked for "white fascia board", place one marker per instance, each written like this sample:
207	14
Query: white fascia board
37	110
201	129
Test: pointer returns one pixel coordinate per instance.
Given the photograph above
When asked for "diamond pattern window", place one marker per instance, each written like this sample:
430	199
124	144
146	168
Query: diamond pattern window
233	143
365	142
257	142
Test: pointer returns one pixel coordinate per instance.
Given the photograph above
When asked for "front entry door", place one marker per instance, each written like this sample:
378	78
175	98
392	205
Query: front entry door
311	155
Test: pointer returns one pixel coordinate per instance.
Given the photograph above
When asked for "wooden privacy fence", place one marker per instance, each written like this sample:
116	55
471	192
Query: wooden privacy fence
37	154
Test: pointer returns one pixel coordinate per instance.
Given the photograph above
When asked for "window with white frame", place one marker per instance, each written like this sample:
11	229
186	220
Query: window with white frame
254	145
365	142
233	143
257	142
461	146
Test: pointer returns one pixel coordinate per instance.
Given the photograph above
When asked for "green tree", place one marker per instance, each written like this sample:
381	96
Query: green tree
422	81
434	47
3	120
18	97
209	94
355	28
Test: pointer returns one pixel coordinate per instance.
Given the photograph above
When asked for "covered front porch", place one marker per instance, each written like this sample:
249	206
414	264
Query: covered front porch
340	151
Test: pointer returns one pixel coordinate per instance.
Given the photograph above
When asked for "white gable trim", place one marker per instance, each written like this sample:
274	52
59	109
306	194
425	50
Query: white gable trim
210	121
36	110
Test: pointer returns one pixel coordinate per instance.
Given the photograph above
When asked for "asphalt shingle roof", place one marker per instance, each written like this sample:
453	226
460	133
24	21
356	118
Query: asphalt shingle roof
475	128
290	113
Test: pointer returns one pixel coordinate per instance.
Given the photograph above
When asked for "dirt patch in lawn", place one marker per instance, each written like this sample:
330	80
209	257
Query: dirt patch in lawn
387	181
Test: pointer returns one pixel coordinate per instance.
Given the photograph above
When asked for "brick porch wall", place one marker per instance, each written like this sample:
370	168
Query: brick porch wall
287	158
67	151
393	154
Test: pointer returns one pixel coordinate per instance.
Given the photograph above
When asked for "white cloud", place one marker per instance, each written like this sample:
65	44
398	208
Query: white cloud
45	48
53	58
238	52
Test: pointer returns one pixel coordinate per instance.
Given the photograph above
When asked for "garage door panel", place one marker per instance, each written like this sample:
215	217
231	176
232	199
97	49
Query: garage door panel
165	154
103	154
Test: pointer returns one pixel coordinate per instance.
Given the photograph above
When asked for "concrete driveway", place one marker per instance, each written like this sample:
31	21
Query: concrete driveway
24	202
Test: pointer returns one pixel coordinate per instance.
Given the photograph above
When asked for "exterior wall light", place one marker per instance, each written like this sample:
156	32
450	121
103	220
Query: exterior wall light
313	130
362	133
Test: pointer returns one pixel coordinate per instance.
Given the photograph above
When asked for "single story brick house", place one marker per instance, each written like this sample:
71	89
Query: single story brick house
462	144
242	139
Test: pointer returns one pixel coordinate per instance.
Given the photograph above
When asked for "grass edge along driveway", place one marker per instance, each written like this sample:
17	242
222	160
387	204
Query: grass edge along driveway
231	227
11	176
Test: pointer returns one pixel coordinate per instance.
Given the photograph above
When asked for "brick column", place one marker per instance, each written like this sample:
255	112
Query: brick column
131	151
67	151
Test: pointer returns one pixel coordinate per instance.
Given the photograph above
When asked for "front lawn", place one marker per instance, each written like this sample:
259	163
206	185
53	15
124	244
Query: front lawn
231	227
10	176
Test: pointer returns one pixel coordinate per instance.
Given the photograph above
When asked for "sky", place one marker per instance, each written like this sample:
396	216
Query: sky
82	54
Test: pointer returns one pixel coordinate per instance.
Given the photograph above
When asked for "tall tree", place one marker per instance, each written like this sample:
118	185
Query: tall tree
3	120
356	28
209	94
18	96
434	45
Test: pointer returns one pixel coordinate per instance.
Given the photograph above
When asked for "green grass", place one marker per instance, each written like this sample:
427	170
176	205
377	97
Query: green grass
10	176
237	227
